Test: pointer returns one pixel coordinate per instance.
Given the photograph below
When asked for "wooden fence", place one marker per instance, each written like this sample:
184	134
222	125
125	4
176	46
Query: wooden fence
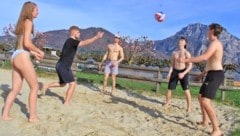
149	74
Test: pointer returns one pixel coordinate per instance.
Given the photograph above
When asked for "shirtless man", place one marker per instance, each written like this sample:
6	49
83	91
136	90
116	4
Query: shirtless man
179	72
113	56
214	78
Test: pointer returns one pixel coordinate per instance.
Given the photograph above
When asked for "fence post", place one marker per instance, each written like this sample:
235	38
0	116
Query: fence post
159	77
222	91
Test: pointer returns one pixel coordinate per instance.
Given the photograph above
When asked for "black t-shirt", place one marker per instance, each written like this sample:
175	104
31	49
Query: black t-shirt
68	51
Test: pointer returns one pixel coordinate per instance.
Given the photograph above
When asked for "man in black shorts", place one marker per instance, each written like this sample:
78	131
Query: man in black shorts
174	80
179	72
212	81
63	66
214	78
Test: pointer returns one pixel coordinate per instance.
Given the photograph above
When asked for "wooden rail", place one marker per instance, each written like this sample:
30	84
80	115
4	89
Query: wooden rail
155	75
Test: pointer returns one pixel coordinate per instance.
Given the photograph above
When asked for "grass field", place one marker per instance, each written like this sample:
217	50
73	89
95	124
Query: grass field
140	87
231	97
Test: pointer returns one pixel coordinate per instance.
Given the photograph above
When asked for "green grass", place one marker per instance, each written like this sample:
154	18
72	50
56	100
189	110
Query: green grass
236	132
140	87
231	97
51	75
6	64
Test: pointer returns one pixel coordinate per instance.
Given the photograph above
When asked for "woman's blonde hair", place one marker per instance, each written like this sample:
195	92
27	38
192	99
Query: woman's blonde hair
26	13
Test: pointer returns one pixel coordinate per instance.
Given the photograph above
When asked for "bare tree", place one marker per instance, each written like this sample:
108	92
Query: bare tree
39	38
9	30
200	66
134	48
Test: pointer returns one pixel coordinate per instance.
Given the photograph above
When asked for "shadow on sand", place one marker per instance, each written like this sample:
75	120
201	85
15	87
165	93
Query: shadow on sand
23	107
50	93
152	112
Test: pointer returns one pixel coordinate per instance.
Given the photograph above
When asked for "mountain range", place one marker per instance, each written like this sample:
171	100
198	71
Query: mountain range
195	33
198	42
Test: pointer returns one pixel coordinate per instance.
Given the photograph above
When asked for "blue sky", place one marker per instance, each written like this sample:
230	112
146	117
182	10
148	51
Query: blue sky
129	17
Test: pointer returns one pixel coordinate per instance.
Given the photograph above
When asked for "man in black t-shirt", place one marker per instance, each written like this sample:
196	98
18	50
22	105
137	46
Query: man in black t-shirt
63	66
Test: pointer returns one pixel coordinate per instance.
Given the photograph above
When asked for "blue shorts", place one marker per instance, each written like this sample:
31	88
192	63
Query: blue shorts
64	72
110	69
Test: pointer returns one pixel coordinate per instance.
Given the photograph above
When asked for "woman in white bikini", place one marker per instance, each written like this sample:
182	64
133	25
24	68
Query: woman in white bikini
21	62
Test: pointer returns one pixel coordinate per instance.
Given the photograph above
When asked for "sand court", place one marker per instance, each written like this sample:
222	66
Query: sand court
93	114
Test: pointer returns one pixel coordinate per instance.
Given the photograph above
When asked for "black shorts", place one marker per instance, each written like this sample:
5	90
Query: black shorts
174	80
64	72
212	82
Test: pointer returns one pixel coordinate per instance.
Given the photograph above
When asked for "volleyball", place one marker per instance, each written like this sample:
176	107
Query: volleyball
160	16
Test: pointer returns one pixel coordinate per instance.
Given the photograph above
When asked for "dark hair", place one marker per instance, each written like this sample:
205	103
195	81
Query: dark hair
217	29
185	39
74	28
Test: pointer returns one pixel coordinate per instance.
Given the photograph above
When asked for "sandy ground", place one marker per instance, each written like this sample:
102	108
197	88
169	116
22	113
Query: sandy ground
93	114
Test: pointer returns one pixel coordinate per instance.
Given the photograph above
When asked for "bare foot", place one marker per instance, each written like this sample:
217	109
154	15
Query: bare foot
217	133
66	103
33	120
203	124
189	110
7	118
112	94
43	89
166	105
104	92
